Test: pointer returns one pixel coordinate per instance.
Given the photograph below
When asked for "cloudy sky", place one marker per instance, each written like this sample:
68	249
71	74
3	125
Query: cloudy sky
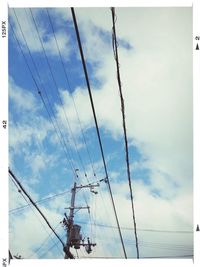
49	139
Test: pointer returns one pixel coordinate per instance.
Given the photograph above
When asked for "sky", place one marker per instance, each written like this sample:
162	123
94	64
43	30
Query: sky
155	55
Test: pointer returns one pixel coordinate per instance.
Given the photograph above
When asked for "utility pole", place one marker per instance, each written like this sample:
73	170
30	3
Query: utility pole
74	237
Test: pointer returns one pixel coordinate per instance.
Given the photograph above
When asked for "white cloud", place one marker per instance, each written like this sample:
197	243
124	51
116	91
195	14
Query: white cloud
27	134
22	99
39	161
29	129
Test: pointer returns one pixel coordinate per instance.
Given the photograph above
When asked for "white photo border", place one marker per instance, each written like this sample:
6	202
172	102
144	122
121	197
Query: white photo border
4	132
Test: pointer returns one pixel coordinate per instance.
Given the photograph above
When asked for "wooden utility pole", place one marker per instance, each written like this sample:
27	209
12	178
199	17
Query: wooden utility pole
74	237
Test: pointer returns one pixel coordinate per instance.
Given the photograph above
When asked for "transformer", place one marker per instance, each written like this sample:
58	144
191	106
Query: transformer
75	236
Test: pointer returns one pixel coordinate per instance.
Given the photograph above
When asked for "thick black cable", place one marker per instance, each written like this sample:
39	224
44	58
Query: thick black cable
124	126
33	203
96	124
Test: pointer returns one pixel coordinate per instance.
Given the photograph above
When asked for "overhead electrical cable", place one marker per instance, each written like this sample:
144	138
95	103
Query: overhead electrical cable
52	197
96	124
40	201
166	248
155	245
49	249
114	38
167	256
43	243
142	229
69	86
29	204
54	81
33	203
57	129
62	137
57	90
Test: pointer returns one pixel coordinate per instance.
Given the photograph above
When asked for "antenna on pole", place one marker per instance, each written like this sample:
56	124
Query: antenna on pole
74	236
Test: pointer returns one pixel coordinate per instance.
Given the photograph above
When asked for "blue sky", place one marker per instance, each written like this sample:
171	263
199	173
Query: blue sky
157	85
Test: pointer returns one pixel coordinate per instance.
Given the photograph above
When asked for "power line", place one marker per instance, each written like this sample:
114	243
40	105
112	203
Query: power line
96	124
29	204
40	93
33	203
166	231
56	87
45	240
60	137
67	80
66	150
46	199
160	257
49	249
142	229
156	245
40	201
166	245
63	140
114	39
36	82
163	245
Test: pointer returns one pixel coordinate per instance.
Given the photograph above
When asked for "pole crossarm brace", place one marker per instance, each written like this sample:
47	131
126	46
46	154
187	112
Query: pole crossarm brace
87	186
